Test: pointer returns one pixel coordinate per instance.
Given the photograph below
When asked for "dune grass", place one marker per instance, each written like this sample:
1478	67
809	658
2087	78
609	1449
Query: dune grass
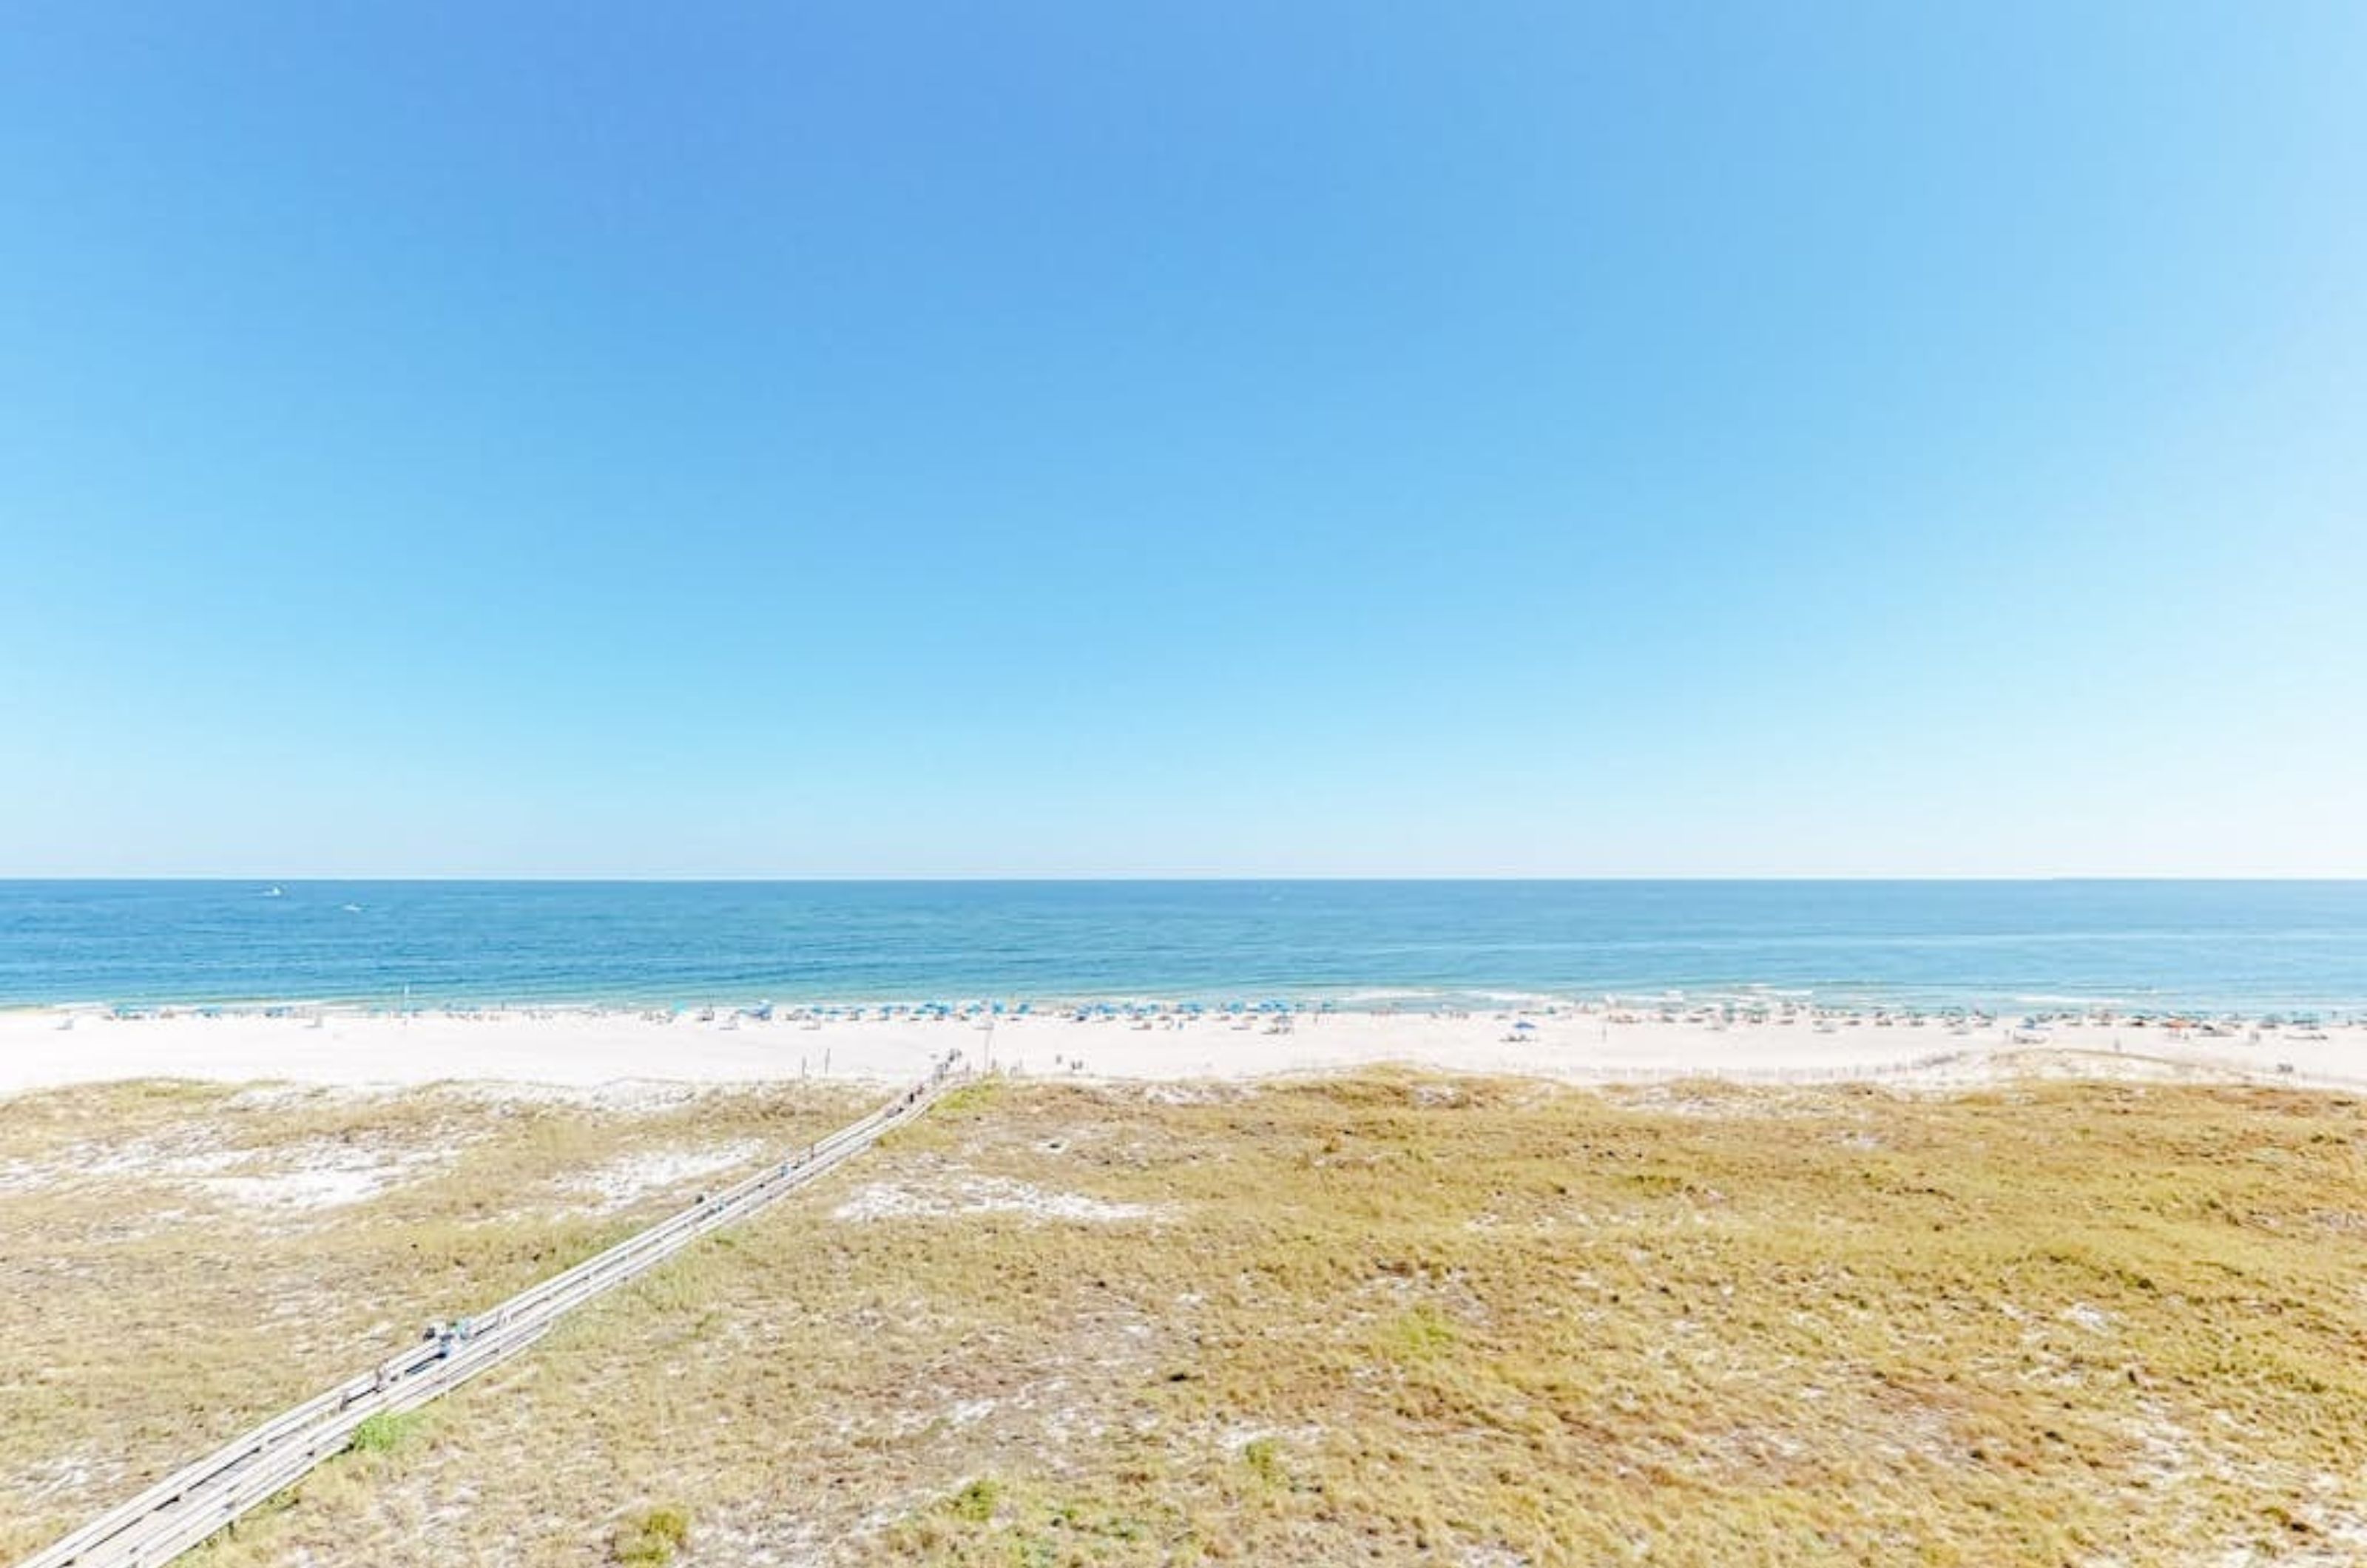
1397	1318
178	1261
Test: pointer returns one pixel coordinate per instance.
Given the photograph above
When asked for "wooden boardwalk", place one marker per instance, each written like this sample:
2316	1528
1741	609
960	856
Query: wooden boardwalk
199	1499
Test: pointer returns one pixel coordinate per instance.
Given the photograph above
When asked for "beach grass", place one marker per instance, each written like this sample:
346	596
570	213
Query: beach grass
1385	1317
180	1260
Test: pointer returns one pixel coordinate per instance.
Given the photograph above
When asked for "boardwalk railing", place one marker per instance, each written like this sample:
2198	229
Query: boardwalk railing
194	1502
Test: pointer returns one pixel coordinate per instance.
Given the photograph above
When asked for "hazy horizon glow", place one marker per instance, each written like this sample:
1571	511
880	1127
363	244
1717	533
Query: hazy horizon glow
884	441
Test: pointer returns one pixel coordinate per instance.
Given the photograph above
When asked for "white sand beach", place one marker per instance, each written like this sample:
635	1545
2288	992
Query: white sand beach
587	1048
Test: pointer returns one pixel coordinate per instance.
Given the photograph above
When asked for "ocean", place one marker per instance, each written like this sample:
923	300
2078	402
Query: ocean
2225	946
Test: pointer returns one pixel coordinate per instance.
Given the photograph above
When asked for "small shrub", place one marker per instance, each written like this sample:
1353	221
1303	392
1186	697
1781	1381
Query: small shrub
1420	1334
385	1432
652	1541
969	1099
1263	1456
974	1504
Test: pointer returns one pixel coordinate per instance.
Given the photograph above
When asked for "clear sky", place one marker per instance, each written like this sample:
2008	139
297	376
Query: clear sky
1027	439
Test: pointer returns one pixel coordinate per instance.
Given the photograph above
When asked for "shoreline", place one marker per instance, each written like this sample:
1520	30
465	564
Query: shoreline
1386	1000
586	1047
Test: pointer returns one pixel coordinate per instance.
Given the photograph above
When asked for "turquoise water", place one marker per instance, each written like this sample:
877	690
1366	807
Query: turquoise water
2269	946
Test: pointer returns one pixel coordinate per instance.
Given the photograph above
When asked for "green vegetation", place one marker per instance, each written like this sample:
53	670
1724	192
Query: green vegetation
1384	1318
652	1540
386	1431
174	1277
1263	1456
1420	1334
969	1099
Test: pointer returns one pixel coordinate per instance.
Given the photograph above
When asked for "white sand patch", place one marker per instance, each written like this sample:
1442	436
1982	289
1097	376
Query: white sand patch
1187	1093
982	1195
205	1162
65	1475
299	1189
285	1095
2090	1318
175	1158
625	1095
621	1182
315	1175
1233	1437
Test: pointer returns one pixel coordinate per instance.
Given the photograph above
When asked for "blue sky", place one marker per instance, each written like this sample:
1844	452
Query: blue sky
1196	439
